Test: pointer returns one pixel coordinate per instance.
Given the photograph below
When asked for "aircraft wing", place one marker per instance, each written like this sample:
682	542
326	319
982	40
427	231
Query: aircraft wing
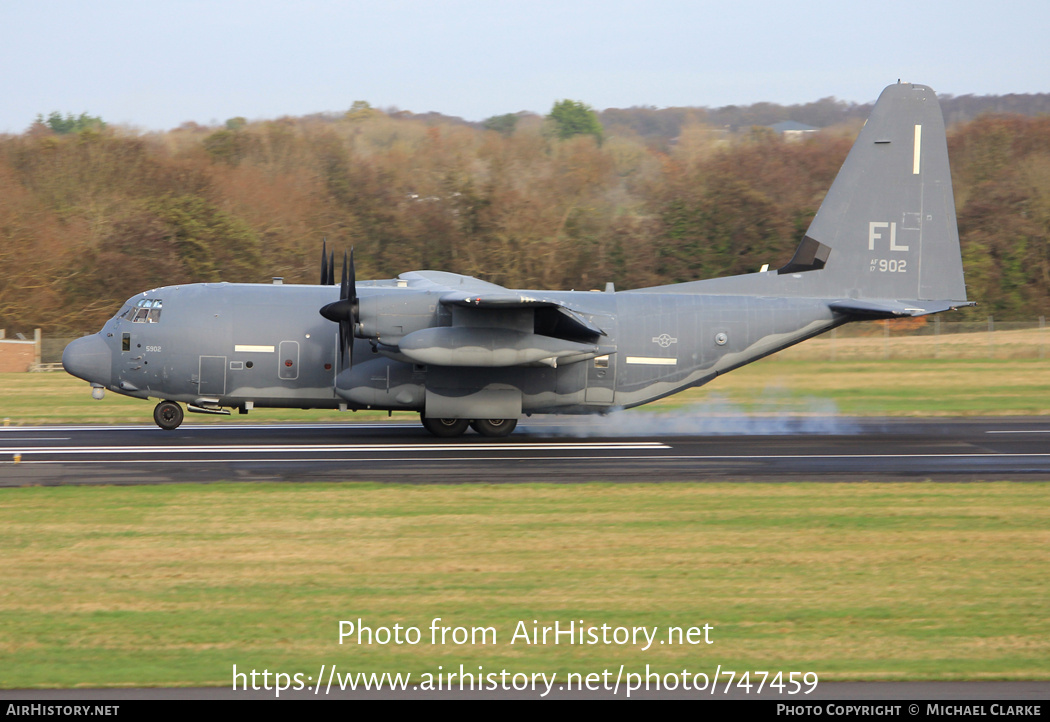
437	280
511	300
493	326
473	293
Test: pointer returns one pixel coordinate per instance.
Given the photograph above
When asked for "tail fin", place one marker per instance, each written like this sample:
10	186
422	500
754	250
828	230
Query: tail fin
887	228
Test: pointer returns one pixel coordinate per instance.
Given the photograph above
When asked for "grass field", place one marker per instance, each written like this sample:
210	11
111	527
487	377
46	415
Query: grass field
172	585
897	387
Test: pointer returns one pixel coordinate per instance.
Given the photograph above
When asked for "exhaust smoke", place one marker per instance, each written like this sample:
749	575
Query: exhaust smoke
715	416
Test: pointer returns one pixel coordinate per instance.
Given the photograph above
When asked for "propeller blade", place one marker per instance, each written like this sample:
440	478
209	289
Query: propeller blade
348	294
331	269
342	283
324	263
354	316
346	340
352	295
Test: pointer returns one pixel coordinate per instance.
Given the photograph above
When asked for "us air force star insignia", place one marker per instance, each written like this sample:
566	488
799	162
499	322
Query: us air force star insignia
664	340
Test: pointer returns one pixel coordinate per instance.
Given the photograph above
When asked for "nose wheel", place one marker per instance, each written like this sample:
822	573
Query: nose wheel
168	415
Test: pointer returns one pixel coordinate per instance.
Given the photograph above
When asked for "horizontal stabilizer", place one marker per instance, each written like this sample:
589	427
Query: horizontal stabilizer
894	309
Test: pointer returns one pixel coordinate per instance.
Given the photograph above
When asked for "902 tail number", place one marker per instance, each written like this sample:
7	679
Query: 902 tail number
888	265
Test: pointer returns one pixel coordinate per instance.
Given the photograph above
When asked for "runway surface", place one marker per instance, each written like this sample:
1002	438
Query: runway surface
759	450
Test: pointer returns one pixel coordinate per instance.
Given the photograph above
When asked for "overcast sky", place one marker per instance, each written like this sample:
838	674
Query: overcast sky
154	65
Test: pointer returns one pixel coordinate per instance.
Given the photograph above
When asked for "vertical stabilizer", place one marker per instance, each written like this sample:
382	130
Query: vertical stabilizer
887	228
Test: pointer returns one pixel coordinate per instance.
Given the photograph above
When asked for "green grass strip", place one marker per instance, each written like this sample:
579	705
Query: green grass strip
914	387
173	585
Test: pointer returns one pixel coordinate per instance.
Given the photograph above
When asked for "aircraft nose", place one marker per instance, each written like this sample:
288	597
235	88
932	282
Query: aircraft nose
89	358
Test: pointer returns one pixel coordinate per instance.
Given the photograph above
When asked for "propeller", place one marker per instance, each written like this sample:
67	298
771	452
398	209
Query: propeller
345	311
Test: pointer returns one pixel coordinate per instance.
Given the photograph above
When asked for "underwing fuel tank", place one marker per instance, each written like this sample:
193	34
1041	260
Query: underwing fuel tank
490	347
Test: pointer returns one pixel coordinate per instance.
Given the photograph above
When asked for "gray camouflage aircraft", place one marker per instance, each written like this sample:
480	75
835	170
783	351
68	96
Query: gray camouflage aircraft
462	351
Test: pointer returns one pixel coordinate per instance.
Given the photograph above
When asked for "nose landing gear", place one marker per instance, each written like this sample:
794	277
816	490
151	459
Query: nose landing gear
168	415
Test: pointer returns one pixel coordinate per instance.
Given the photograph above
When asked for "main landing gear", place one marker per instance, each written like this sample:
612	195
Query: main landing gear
494	427
449	428
168	415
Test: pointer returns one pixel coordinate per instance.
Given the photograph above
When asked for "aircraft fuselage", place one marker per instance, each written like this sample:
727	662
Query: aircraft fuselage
261	345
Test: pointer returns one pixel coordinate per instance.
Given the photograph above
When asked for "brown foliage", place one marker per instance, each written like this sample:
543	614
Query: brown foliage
87	220
1001	173
745	202
32	245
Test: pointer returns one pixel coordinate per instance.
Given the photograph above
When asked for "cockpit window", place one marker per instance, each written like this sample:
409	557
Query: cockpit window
147	310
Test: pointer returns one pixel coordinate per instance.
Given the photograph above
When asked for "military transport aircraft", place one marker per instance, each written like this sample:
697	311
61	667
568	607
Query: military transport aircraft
463	352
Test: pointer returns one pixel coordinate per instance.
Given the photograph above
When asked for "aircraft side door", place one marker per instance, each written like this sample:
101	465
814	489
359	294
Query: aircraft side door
601	378
212	376
601	370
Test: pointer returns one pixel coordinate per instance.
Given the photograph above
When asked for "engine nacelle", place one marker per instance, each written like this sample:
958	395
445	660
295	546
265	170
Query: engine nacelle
388	316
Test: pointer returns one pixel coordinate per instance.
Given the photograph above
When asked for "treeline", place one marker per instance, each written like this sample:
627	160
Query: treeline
661	126
90	217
